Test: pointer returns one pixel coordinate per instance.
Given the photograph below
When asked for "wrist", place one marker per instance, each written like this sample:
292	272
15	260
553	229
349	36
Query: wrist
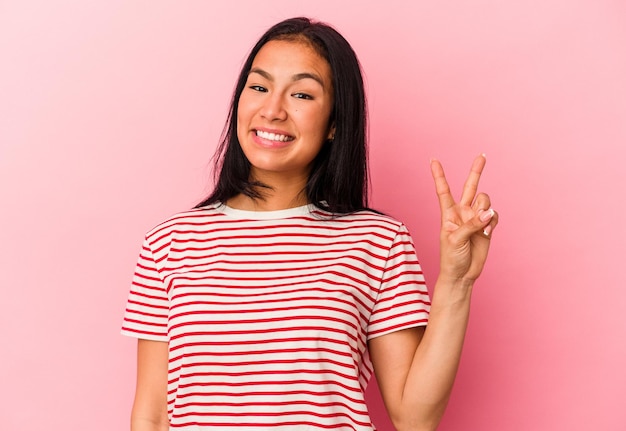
455	282
452	291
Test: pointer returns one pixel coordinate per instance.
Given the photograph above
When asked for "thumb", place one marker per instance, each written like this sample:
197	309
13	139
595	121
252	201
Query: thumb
476	224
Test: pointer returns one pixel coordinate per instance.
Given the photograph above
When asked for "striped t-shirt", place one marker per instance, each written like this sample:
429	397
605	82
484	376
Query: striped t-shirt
268	314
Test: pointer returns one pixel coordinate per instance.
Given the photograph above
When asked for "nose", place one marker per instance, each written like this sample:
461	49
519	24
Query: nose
273	108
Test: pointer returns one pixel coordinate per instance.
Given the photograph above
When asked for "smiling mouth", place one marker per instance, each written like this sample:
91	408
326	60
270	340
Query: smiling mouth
274	136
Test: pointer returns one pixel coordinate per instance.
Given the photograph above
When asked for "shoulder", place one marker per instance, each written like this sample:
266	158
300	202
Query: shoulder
186	220
366	220
362	216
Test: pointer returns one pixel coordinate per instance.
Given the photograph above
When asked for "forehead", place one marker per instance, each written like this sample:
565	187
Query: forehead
290	57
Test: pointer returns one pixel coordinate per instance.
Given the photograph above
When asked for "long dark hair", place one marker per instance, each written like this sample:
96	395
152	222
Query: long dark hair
338	181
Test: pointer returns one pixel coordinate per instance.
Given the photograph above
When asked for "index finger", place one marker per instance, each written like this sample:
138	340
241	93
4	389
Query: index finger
471	184
441	186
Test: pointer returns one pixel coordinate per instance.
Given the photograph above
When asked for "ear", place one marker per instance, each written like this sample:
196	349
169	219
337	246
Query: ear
331	133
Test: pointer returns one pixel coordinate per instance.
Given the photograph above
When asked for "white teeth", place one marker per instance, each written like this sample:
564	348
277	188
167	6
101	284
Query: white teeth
272	136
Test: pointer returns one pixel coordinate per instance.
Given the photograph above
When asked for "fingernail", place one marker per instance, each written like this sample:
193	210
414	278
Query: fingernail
486	215
487	230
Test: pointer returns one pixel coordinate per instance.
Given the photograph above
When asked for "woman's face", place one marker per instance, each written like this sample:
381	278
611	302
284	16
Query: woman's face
284	110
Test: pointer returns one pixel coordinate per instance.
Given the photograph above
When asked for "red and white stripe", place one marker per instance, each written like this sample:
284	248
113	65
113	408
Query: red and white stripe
268	314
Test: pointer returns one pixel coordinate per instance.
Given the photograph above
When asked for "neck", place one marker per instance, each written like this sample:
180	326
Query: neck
284	193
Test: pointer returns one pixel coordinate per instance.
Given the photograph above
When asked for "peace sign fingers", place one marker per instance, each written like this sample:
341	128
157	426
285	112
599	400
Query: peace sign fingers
446	200
466	226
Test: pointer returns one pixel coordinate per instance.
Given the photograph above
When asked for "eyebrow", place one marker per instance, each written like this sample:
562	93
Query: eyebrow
296	77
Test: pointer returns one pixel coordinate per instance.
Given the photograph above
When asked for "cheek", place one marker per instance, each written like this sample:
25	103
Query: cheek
315	121
244	107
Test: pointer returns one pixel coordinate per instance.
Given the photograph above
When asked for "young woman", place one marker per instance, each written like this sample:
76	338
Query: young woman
270	304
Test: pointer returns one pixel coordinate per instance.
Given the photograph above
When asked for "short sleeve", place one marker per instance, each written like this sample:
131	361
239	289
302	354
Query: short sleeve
147	307
403	301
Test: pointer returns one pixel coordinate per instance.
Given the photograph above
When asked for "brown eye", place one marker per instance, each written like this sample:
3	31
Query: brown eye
302	96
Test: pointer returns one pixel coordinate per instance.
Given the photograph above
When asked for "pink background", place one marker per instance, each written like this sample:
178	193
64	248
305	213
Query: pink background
110	110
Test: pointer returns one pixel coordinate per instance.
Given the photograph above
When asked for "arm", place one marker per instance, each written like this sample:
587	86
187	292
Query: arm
416	368
149	411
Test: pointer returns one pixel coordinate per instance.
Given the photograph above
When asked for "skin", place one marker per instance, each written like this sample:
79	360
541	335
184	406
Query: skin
149	411
289	91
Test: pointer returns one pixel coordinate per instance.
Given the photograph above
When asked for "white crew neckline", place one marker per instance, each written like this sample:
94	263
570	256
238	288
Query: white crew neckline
266	215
